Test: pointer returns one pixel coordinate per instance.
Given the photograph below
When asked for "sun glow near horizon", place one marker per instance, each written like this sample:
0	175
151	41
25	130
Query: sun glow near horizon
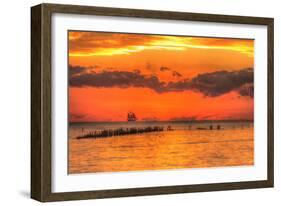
159	77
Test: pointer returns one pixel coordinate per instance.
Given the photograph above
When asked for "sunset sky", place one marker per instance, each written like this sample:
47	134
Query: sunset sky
159	77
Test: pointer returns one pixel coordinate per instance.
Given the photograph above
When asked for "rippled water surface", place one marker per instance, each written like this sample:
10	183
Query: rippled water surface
184	147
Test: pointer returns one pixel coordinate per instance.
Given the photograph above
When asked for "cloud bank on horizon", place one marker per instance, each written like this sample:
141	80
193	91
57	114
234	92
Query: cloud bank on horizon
210	84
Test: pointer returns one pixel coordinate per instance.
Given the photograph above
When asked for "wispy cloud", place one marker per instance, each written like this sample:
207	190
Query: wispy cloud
108	44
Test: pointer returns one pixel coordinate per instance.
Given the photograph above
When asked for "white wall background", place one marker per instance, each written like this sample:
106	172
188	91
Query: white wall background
15	102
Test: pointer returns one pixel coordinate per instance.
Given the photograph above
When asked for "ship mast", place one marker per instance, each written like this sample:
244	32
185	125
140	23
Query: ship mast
131	117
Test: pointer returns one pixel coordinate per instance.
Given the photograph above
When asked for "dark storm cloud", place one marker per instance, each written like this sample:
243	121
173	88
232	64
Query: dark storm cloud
209	84
176	74
137	71
121	79
246	90
163	69
73	70
215	83
173	73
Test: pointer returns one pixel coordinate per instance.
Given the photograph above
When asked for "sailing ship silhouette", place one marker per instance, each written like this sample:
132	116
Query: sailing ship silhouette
131	117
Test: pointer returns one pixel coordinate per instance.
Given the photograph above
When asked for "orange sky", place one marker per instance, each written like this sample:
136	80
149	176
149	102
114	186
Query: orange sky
159	77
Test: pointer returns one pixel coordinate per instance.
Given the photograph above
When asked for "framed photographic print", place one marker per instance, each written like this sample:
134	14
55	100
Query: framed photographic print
132	102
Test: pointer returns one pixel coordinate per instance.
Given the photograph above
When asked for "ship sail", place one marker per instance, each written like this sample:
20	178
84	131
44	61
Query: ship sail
131	117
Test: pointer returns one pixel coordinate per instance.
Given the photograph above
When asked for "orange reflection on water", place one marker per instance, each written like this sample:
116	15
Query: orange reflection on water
163	150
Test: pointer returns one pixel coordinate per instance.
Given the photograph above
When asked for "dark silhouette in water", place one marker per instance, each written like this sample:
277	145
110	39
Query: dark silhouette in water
210	128
134	130
201	128
121	131
169	128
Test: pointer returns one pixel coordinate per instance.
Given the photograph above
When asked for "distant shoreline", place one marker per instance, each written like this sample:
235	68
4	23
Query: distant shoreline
168	121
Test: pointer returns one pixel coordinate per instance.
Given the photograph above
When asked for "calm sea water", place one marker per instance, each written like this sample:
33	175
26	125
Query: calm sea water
187	146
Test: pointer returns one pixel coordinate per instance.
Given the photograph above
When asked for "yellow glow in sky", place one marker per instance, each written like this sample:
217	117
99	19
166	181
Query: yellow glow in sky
125	45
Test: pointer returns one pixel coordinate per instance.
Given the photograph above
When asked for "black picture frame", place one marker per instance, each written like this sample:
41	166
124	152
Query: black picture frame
41	115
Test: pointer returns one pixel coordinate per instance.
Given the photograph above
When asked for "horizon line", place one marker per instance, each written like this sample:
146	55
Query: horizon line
206	120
